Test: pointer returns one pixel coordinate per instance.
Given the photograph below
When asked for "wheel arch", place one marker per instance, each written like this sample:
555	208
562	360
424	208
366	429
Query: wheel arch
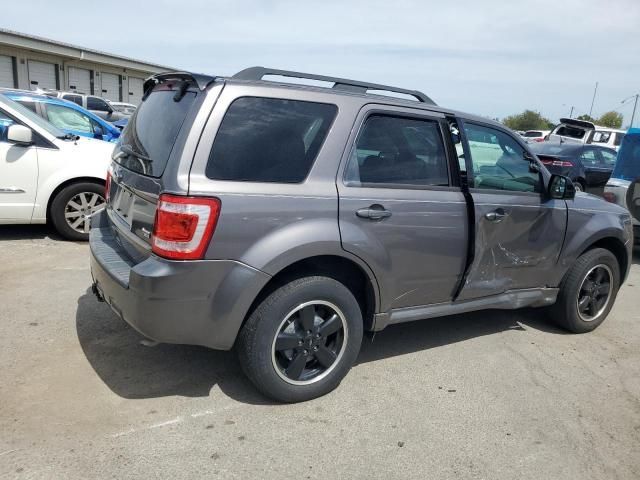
345	270
65	184
615	246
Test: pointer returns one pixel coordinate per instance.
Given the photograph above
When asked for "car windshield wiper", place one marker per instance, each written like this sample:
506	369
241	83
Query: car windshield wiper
69	136
130	151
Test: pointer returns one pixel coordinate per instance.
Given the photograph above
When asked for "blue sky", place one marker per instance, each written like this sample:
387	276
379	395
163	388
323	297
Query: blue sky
488	57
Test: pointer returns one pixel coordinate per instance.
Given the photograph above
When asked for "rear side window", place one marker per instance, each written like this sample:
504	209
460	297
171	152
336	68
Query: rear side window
77	99
269	140
397	151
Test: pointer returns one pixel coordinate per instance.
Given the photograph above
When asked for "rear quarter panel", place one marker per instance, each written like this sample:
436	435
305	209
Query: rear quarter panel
269	226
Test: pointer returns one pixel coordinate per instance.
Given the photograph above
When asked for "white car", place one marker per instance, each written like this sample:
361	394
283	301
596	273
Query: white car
535	135
48	175
580	131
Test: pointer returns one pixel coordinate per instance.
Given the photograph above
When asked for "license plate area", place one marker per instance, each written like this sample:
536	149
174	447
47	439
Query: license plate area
122	204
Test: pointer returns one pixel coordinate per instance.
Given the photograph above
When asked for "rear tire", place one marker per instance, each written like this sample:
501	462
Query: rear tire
579	186
72	206
587	292
302	340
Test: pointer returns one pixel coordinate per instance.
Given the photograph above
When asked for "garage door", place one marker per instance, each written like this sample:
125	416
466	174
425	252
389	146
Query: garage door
135	90
6	72
42	75
110	87
79	80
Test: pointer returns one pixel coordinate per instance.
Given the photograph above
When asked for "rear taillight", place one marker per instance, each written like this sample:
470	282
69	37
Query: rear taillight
540	139
556	163
184	226
107	186
610	197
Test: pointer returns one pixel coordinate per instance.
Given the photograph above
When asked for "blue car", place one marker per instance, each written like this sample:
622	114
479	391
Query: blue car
67	116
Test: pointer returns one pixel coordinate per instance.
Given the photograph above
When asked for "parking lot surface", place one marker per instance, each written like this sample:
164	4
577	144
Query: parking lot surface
493	394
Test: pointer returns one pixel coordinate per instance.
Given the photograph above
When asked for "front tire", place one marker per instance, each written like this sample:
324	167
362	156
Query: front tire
302	340
588	291
72	206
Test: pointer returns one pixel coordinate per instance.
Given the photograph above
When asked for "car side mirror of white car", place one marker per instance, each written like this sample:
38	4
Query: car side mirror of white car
20	135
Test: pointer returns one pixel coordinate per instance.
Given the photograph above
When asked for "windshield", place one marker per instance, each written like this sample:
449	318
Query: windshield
31	116
147	141
628	162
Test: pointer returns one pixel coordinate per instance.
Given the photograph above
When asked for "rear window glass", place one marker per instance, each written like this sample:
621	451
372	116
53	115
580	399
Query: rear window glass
532	134
152	130
269	140
572	132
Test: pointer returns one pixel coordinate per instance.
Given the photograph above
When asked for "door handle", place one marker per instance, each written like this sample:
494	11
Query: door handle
496	216
374	212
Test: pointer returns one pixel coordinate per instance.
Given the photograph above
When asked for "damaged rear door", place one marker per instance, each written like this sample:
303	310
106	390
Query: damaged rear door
519	232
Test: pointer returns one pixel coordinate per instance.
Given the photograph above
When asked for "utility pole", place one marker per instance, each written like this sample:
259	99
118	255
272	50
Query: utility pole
635	106
594	99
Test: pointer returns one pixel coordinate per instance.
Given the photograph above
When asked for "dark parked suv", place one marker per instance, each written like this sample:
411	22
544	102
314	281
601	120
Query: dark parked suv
286	220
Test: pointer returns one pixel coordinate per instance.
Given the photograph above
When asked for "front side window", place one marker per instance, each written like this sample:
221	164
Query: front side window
269	140
95	103
68	119
609	158
398	151
498	161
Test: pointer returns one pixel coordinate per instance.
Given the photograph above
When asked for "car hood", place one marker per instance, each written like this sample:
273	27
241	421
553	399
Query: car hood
89	147
586	201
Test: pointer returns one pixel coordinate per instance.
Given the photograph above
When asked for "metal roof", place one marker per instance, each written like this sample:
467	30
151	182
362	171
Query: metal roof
34	42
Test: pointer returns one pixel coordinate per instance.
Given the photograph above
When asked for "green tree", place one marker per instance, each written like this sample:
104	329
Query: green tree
610	119
586	118
527	120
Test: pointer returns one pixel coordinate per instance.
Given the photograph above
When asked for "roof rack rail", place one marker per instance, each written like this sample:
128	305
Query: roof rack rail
256	73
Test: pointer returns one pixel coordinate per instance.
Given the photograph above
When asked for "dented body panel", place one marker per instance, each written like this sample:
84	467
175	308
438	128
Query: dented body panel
518	251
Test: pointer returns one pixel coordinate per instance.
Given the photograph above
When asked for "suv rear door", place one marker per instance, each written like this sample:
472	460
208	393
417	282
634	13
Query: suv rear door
519	232
399	209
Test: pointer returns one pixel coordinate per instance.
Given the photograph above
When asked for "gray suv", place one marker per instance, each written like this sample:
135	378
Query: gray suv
285	220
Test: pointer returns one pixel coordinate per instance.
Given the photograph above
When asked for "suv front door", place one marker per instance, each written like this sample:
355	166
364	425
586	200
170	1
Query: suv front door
519	232
399	210
18	176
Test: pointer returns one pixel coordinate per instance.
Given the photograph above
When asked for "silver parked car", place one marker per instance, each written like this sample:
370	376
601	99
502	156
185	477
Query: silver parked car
288	219
98	106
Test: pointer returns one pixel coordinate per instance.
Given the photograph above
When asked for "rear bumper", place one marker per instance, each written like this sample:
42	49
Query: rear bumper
190	302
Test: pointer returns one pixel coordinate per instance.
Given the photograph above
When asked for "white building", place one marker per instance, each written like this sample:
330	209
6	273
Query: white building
29	62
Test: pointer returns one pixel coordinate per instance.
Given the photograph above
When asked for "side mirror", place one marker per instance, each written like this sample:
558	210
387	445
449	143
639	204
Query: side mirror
19	134
98	133
561	187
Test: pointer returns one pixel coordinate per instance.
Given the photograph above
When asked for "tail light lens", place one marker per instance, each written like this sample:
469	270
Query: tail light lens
610	197
107	186
556	163
184	226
